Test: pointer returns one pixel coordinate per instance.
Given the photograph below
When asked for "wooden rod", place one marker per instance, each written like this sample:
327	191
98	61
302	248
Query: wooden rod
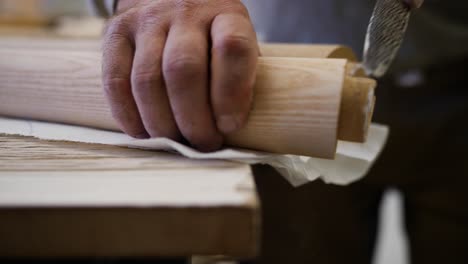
358	94
356	109
298	107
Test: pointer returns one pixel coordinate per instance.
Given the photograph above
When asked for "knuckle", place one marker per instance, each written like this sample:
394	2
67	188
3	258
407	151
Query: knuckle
234	45
118	25
143	85
150	12
115	33
111	47
188	10
186	5
193	9
183	66
150	19
233	7
241	9
142	80
113	85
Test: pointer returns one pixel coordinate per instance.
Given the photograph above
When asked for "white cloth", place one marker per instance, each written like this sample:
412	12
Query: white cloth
352	160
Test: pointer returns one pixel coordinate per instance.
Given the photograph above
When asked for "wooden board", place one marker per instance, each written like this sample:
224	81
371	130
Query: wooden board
61	199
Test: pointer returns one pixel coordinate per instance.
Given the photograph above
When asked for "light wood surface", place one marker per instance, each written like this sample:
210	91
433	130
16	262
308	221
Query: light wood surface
358	92
296	108
62	199
360	102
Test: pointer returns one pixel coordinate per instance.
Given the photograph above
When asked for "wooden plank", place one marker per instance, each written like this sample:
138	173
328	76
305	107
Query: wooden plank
60	199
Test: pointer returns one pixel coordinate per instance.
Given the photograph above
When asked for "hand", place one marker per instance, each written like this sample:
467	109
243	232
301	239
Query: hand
414	3
182	69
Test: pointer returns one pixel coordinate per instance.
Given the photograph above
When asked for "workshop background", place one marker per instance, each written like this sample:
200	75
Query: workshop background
75	18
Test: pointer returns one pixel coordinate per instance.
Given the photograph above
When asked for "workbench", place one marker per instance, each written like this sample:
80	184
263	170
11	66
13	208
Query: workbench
60	199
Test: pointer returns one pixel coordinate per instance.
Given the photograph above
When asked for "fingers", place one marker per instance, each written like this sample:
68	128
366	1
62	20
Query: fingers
148	86
233	70
160	79
185	69
117	67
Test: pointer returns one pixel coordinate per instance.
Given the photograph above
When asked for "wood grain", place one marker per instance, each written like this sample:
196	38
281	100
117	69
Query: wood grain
60	199
296	108
358	98
358	106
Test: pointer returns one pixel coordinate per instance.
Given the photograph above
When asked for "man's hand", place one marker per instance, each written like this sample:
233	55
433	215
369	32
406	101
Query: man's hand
414	3
180	69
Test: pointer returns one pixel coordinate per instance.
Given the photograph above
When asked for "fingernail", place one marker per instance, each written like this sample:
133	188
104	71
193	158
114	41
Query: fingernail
143	136
228	123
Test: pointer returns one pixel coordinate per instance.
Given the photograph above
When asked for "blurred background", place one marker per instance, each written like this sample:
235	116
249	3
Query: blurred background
75	18
34	12
71	18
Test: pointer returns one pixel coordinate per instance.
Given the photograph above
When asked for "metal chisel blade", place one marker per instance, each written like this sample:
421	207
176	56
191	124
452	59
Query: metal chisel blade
385	35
